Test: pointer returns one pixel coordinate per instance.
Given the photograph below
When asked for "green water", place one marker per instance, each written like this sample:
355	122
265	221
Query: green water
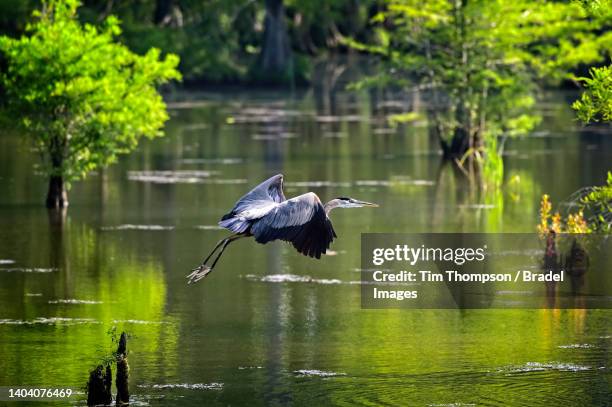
287	343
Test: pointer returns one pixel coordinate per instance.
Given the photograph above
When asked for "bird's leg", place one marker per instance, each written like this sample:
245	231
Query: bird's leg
219	243
229	240
203	269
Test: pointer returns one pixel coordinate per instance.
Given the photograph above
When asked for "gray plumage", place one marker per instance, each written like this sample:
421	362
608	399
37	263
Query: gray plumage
267	215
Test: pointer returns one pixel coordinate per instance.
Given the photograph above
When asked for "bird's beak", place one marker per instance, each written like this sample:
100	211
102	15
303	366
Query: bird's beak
363	203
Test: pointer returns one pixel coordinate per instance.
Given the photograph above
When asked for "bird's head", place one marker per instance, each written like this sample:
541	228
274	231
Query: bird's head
346	202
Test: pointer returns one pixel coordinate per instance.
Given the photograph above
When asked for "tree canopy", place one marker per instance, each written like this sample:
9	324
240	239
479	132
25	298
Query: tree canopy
480	62
595	104
83	97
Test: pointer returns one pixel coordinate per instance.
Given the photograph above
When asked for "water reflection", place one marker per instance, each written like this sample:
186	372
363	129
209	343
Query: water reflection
127	244
92	285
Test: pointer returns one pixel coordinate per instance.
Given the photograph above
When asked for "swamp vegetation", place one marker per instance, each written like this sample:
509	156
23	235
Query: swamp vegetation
453	115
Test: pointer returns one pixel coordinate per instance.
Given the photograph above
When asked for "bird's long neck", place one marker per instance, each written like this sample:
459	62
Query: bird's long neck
334	203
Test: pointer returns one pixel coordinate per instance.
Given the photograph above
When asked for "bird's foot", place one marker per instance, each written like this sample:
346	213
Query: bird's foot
198	273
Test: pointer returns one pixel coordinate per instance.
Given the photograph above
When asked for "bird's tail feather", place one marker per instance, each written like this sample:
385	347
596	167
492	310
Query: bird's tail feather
236	225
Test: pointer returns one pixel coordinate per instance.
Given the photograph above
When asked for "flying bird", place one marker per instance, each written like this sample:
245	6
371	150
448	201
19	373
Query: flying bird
265	214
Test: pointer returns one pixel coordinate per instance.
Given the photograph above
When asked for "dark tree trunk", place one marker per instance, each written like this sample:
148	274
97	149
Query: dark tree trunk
162	11
99	386
461	142
121	381
57	197
458	145
463	138
275	57
167	13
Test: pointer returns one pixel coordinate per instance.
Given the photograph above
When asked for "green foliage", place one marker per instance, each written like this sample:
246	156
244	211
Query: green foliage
402	118
83	97
595	104
493	166
597	204
602	8
478	61
210	37
217	40
573	223
109	356
322	24
593	214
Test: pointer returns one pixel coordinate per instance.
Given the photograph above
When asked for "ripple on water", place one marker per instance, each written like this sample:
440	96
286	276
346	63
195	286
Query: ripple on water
274	136
7	261
170	177
369	270
384	131
208	227
542	367
73	301
222	161
513	292
477	206
294	278
343	118
291	278
317	373
29	270
317	184
137	400
229	181
49	321
181	177
137	227
189	386
394	182
577	346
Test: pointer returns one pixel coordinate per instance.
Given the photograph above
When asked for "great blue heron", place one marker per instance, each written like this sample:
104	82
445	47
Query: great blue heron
265	214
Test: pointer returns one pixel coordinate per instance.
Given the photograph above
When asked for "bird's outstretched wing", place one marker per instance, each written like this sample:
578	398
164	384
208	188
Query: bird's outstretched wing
255	204
301	221
269	190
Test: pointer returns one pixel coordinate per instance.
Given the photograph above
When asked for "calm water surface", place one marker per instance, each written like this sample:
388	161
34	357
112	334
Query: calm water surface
134	231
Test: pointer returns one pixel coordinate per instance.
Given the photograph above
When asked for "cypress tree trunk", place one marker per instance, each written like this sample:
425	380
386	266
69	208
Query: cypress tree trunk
167	13
275	58
162	11
57	197
462	139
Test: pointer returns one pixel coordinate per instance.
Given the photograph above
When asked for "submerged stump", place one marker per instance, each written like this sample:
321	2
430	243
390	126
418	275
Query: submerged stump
99	386
101	380
123	371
